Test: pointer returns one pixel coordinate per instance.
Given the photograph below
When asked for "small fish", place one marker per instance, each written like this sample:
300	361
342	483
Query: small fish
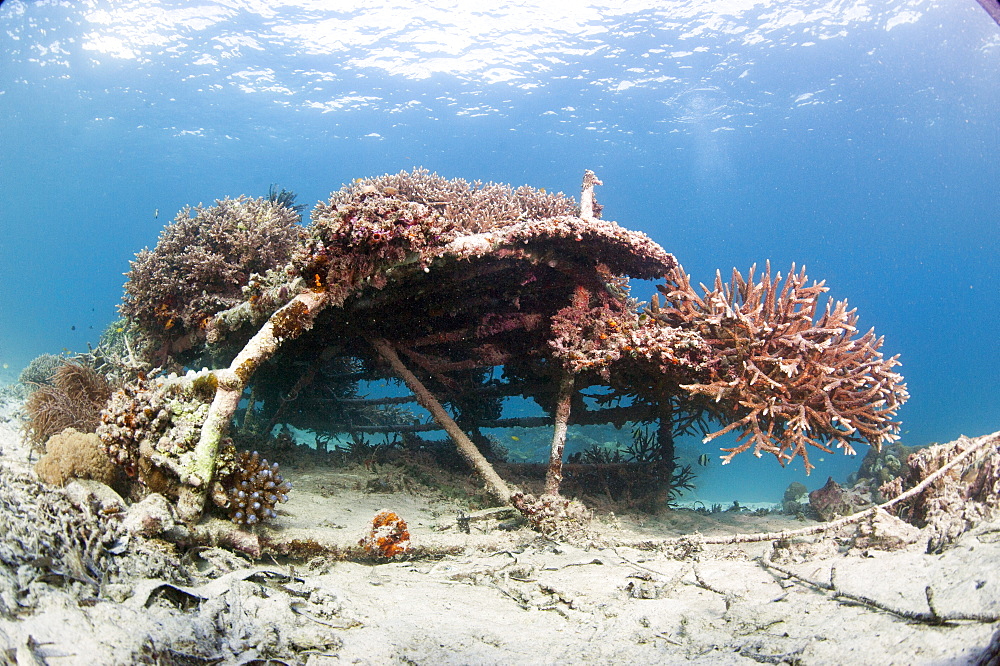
704	459
156	214
515	438
6	365
72	328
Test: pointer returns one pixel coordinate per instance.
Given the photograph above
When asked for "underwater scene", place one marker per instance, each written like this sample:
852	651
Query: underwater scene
535	332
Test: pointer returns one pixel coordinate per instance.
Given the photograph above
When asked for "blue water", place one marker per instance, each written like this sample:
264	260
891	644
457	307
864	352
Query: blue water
859	139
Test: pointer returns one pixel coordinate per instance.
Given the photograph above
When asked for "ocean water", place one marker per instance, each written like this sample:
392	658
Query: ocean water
857	138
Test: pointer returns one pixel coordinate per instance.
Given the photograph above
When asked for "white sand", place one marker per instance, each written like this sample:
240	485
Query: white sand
508	597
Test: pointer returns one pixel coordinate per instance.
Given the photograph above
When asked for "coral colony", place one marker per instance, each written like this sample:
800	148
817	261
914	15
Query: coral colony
448	285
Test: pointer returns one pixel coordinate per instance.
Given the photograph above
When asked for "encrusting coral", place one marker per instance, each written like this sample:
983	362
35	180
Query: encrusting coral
438	282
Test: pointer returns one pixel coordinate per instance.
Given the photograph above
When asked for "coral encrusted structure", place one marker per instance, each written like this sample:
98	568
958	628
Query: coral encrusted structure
470	293
150	429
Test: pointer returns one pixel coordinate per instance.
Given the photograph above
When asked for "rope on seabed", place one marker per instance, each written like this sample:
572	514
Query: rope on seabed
835	524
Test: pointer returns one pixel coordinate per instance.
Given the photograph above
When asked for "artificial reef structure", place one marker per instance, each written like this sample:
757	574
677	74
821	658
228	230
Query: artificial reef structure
468	293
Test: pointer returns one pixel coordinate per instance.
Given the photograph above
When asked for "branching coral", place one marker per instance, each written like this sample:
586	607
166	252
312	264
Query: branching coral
784	379
202	261
373	225
150	429
254	489
552	514
39	371
471	207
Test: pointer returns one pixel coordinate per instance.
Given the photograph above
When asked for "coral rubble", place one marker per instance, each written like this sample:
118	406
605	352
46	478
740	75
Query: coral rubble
965	495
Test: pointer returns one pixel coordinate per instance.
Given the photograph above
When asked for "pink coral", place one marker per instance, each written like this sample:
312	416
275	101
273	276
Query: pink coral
783	379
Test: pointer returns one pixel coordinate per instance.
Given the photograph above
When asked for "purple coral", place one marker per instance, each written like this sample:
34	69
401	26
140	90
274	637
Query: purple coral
201	263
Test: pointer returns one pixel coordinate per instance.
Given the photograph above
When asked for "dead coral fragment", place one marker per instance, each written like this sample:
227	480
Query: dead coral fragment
554	515
966	495
254	490
388	537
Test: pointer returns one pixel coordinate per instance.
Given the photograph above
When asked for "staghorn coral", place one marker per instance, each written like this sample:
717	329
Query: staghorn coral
200	264
388	537
75	455
254	489
73	399
783	379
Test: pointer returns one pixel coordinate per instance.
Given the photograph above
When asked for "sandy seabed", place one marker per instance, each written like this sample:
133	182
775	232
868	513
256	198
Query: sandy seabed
75	588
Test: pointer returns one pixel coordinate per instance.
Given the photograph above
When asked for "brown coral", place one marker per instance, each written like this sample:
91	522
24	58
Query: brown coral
75	455
388	538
